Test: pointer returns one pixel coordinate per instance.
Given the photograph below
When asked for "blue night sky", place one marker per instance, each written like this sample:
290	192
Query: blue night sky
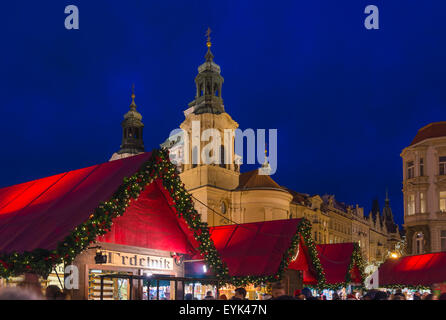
345	100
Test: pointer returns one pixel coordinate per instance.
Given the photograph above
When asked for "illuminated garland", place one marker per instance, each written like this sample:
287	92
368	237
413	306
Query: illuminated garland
358	262
41	261
408	286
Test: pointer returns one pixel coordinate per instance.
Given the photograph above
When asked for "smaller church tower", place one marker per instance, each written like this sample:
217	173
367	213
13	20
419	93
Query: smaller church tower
388	216
132	133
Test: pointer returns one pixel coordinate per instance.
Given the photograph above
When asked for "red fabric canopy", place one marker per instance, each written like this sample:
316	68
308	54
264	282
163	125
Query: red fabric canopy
149	222
335	260
41	213
424	269
256	249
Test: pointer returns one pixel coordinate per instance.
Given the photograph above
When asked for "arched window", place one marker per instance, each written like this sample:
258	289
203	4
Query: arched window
201	89
223	207
222	157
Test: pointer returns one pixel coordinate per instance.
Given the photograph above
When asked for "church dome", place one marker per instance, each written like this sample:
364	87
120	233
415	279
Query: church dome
432	130
133	114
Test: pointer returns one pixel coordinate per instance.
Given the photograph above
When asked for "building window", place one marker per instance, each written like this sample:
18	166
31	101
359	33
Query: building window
194	157
422	203
410	170
443	201
222	157
421	167
411	205
443	240
223	207
419	243
442	163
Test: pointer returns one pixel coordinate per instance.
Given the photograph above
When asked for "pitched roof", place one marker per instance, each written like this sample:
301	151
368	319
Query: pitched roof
258	248
39	214
335	260
432	130
254	180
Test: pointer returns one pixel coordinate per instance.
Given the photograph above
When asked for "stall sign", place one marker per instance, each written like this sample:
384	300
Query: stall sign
132	260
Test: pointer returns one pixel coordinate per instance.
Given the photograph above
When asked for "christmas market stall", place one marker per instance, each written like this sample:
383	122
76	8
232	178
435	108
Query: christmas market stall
343	267
130	217
425	271
257	254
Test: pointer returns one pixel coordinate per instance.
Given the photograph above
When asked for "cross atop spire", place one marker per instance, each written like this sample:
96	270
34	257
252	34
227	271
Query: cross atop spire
133	105
209	56
208	35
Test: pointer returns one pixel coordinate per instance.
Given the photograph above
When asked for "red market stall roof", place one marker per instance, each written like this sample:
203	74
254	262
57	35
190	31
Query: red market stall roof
124	201
418	270
263	249
341	262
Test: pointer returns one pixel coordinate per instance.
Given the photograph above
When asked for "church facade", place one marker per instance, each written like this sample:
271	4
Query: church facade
225	195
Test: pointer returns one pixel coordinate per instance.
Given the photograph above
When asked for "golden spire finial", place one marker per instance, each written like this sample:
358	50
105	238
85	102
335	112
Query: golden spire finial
266	151
208	34
133	96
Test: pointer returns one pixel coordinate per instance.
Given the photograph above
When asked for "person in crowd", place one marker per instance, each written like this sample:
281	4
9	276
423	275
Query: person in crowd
266	296
240	294
442	296
381	295
416	296
298	295
335	296
278	292
209	296
351	296
19	293
223	297
429	296
370	295
188	296
307	293
398	297
53	292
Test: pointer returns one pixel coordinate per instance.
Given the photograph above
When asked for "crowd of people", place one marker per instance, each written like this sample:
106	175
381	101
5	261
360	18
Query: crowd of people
31	289
278	292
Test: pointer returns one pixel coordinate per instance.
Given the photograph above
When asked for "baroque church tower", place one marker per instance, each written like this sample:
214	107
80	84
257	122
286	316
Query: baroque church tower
208	165
207	124
132	133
